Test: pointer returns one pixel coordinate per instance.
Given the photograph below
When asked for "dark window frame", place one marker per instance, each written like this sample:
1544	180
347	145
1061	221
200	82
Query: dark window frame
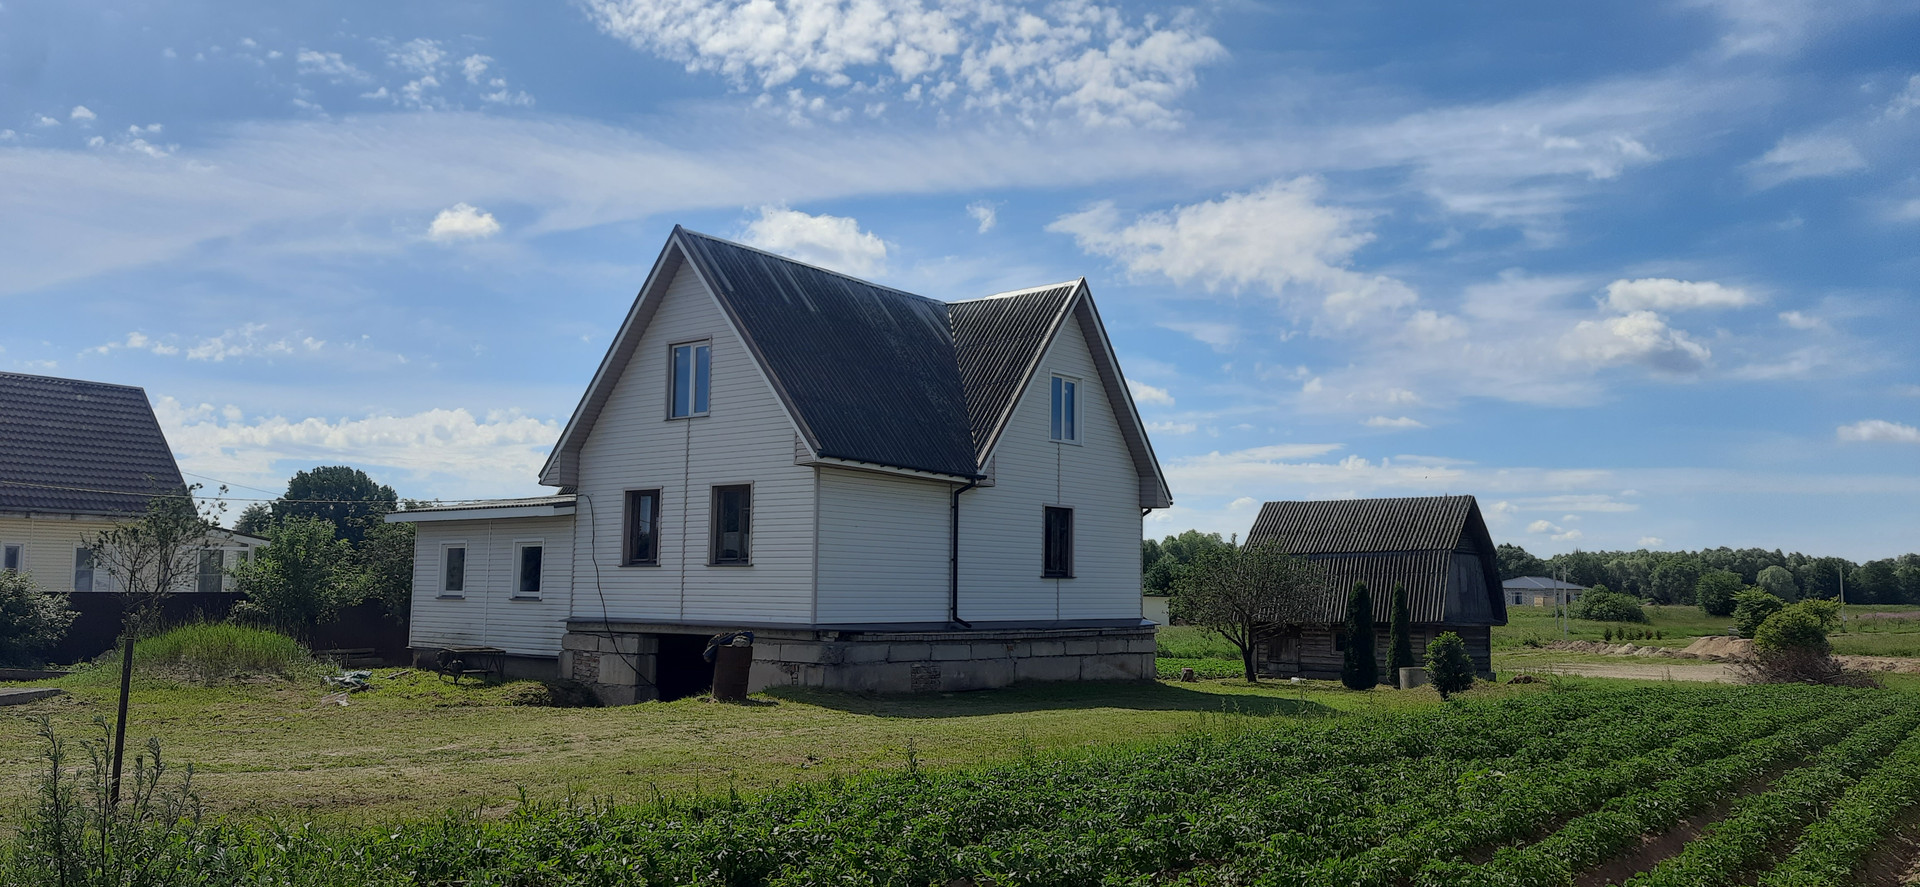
218	574
745	556
520	549
446	569
629	554
83	567
695	391
1056	552
16	552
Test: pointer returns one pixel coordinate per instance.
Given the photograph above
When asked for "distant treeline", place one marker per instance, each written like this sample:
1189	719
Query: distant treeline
1665	577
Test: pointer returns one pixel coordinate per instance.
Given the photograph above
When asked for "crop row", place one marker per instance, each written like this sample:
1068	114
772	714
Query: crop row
1494	805
1741	840
1592	838
1831	850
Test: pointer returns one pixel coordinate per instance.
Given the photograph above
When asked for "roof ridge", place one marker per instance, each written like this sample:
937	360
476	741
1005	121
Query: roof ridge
68	379
1020	292
822	269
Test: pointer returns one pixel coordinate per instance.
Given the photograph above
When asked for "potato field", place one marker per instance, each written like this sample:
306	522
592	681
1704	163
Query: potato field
1665	785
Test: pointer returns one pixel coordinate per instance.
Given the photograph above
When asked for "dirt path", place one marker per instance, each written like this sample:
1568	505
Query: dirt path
1640	671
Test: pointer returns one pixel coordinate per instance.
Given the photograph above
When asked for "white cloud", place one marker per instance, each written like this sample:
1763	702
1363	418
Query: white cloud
1172	427
1076	59
1541	526
47	121
1906	101
1144	393
1220	336
832	242
1879	431
329	65
1667	294
462	221
80	112
450	446
983	213
1805	156
1279	237
419	56
474	66
1568	536
1403	423
1641	338
1650	542
246	341
1802	321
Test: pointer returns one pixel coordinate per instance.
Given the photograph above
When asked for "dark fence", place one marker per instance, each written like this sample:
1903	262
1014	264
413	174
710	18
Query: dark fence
99	616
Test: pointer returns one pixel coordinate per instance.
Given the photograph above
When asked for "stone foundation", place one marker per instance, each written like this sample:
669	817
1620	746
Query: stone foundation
624	662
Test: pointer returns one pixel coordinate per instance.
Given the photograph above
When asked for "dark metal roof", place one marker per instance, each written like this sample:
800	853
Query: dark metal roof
869	371
997	341
69	446
1386	541
1540	583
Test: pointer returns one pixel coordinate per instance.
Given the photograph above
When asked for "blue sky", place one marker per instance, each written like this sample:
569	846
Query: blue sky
1635	275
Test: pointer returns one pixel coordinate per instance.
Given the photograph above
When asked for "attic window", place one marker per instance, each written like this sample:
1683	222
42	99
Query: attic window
692	373
1066	409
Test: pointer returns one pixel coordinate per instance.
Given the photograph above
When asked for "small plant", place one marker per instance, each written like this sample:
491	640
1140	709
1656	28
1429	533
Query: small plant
80	831
1448	665
1607	634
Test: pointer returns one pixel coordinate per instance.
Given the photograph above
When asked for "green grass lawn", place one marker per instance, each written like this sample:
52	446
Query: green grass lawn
418	745
1680	625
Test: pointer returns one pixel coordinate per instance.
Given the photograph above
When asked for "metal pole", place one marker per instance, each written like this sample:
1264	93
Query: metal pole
120	724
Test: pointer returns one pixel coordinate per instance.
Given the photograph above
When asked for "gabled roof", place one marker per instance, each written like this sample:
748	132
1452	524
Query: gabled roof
1539	583
871	374
74	447
1383	541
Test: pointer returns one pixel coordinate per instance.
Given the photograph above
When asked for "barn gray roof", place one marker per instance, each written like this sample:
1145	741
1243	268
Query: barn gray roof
75	447
1539	583
1386	541
870	373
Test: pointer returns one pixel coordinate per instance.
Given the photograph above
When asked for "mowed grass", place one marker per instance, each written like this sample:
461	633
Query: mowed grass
1680	625
418	745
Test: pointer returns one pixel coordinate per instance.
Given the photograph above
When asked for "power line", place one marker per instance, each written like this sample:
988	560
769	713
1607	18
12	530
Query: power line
68	489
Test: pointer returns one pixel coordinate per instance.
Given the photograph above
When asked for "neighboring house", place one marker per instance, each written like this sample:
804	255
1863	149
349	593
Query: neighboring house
892	492
1437	546
1541	591
76	458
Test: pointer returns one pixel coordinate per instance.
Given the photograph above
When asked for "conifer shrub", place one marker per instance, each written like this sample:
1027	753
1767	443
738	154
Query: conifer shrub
1448	665
1360	670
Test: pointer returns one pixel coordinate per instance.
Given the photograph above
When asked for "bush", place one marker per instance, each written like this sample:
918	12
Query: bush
1751	608
1600	605
31	621
1448	665
1715	591
213	652
1801	626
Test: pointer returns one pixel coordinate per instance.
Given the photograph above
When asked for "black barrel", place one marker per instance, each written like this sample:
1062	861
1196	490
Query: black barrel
731	665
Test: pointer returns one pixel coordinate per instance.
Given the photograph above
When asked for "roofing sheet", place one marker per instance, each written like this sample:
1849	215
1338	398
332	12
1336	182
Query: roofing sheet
996	341
72	446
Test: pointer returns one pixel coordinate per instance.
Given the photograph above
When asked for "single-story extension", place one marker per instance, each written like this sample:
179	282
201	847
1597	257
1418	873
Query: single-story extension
1541	591
1437	546
893	493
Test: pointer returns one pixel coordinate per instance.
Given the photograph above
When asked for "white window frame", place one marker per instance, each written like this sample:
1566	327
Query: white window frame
466	570
1073	420
693	392
20	560
221	553
519	548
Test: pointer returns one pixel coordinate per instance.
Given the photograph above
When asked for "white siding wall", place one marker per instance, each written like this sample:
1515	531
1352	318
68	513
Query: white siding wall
1000	526
488	614
883	548
51	540
747	438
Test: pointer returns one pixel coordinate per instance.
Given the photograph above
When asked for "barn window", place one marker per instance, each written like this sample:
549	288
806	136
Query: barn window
1066	410
453	579
207	580
692	373
732	526
528	574
1058	533
83	569
643	529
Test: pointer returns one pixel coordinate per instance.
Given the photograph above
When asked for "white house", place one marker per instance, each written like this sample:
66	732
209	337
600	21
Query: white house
77	457
892	492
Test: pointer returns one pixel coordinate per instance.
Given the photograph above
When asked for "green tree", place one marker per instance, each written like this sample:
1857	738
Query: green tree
1448	665
156	553
31	621
1674	579
1751	608
1243	594
1796	627
253	519
1583	568
382	569
1360	670
1515	562
1820	577
300	580
1400	652
1778	581
1162	576
342	496
1874	582
1715	590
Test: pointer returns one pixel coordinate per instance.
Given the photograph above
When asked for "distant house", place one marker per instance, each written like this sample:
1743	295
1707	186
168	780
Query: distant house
894	493
1540	591
76	458
1437	546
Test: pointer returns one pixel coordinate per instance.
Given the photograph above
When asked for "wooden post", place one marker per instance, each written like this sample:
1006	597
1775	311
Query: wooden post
120	724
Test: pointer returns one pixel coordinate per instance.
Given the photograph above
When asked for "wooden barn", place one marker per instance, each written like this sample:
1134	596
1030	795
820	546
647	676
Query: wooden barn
1437	546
